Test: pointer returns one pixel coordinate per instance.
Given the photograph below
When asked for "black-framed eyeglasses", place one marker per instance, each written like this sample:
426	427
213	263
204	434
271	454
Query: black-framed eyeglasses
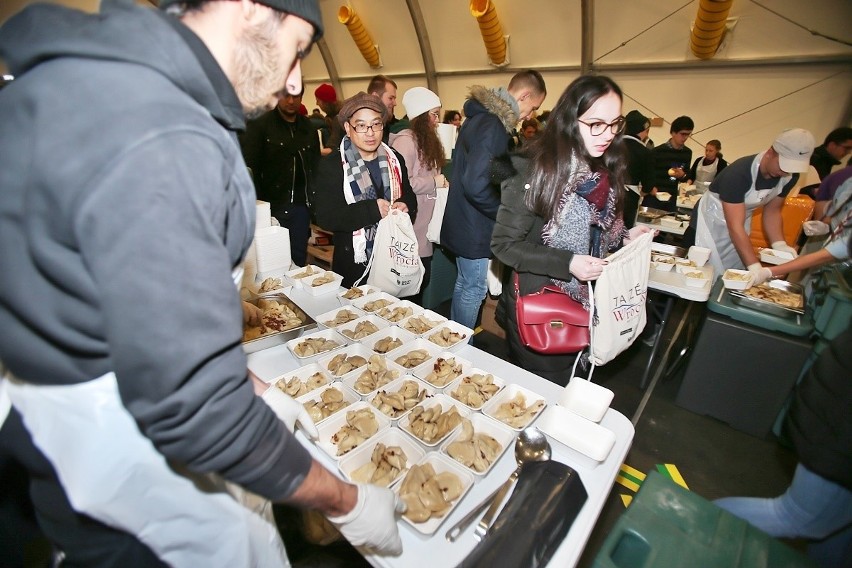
361	127
597	128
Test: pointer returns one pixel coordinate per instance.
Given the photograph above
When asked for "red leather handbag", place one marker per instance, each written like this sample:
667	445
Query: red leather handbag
550	321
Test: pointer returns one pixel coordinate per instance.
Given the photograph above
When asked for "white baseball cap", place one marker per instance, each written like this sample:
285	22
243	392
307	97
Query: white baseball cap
794	147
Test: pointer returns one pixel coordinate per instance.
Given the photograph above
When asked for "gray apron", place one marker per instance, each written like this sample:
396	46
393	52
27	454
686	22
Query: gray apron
711	230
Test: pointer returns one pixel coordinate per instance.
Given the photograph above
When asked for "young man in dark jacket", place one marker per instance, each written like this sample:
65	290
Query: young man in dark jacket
473	200
281	148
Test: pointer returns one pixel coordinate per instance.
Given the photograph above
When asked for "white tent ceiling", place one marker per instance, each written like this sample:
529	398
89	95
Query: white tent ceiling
785	62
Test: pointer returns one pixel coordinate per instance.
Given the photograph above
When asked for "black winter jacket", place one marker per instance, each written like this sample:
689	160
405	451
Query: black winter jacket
820	421
282	157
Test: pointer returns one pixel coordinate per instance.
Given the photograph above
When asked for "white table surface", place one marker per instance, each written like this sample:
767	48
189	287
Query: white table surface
436	551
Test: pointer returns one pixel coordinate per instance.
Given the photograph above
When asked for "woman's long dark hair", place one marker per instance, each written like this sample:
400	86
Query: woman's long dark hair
429	148
558	148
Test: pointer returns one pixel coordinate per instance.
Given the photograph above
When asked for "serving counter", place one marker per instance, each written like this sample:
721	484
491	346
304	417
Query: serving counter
435	550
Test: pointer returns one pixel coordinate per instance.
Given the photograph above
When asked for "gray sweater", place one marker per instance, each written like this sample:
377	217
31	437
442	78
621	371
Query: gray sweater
124	206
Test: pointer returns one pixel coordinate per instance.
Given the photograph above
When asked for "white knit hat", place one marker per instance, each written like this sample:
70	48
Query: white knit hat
418	100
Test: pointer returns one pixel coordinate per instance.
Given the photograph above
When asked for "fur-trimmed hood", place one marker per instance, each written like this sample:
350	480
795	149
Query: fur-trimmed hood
496	101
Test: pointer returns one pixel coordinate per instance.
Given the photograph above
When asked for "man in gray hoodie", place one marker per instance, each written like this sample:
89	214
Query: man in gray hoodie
126	209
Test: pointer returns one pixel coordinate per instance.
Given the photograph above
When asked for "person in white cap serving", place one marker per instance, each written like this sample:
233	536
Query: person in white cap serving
761	180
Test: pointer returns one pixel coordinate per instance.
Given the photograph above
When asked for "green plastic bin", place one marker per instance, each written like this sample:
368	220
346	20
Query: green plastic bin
667	526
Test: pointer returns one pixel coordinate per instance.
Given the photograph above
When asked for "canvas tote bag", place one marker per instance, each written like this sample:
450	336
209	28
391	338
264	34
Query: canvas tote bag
433	230
619	299
395	265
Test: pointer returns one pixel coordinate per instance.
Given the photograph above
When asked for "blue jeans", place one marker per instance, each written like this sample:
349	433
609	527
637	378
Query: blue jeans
469	292
812	507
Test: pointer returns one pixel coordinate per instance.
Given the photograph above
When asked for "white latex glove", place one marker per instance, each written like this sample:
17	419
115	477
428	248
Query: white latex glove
815	228
289	411
440	180
782	246
372	521
758	274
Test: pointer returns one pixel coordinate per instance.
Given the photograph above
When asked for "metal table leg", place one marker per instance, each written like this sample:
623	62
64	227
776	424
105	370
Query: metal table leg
664	316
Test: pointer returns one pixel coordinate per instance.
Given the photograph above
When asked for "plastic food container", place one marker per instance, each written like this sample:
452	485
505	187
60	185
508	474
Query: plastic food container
492	407
328	334
736	279
297	275
446	403
440	463
698	255
335	422
363	454
482	425
457	335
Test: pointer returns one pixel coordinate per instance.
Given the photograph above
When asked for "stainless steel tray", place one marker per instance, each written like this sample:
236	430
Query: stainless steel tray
651	213
279	337
740	298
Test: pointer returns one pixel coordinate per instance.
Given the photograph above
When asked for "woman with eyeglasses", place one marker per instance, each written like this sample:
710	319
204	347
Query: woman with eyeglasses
560	211
358	184
421	148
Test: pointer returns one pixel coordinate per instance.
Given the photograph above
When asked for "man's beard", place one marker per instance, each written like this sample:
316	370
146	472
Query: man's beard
259	72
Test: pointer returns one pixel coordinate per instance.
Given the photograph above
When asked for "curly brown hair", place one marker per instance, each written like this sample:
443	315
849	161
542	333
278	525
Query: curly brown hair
429	148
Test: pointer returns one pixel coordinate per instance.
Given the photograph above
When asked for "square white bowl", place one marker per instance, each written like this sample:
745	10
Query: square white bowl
327	334
303	373
699	255
352	379
440	464
353	325
318	290
771	256
297	275
327	319
392	332
507	394
365	288
426	369
434	319
284	288
662	266
586	399
389	437
483	425
399	311
349	351
365	304
349	396
587	437
446	403
418	343
395	385
335	422
694	281
460	335
451	388
735	283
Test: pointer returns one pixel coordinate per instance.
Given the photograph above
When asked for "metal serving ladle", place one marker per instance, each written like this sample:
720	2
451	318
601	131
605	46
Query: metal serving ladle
531	446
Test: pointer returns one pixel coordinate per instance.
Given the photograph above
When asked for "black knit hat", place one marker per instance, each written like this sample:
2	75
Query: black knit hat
636	123
308	10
